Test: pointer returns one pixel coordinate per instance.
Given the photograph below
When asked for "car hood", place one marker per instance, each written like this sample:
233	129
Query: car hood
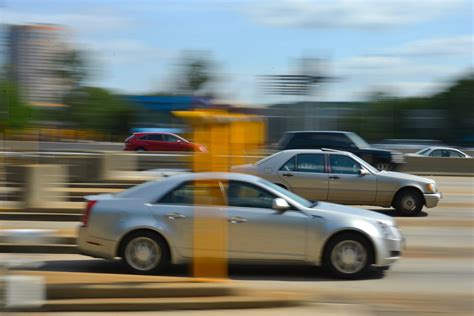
353	211
404	176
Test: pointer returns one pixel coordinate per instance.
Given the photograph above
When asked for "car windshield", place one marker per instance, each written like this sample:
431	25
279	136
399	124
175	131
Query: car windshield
365	164
298	199
358	141
423	151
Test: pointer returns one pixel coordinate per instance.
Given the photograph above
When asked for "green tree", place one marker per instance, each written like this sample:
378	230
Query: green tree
196	73
97	109
14	112
457	102
73	66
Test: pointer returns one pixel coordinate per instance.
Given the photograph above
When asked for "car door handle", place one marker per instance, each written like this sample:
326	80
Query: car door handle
334	177
287	174
237	220
173	216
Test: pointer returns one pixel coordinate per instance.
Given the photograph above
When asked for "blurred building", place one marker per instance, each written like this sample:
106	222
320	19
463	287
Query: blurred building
33	54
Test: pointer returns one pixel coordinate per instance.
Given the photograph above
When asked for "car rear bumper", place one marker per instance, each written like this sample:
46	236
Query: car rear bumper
432	200
94	246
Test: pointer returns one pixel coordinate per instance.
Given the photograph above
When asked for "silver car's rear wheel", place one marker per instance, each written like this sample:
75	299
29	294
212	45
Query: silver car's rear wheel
348	255
144	252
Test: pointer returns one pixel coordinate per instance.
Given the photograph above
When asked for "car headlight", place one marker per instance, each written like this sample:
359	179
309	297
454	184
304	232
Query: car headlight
389	232
431	188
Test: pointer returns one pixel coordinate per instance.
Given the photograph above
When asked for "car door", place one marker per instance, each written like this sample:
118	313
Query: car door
346	184
305	174
172	143
257	231
155	142
189	210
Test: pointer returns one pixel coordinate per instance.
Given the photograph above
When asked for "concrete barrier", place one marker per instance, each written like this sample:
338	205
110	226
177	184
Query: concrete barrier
439	166
37	183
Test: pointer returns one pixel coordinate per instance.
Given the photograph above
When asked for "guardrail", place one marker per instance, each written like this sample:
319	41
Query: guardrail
101	166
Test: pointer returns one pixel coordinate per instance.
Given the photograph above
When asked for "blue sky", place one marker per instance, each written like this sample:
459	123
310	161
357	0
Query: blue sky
405	47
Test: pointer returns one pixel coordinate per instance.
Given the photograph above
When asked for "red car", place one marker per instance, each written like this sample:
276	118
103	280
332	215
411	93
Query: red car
160	142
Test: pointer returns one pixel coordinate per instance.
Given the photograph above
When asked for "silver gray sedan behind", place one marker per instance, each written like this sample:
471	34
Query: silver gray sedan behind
152	225
342	177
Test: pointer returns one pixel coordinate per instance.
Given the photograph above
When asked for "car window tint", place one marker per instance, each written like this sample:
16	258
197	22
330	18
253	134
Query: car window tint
344	164
170	138
436	153
145	137
290	165
195	192
306	140
338	141
310	163
455	154
244	194
156	137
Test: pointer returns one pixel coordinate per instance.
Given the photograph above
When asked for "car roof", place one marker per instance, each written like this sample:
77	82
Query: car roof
335	132
214	175
314	151
441	147
152	133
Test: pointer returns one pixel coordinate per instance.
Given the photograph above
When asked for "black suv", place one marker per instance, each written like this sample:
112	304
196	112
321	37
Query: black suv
380	158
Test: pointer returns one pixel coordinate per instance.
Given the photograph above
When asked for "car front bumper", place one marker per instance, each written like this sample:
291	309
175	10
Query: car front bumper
93	246
432	199
389	250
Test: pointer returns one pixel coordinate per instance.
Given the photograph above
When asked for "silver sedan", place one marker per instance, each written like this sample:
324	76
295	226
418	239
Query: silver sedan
342	177
443	152
151	225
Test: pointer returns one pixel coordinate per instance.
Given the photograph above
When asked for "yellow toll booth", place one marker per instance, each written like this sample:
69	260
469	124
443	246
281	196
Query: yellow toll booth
229	139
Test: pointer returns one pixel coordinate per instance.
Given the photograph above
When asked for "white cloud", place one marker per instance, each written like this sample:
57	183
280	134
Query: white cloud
349	13
446	46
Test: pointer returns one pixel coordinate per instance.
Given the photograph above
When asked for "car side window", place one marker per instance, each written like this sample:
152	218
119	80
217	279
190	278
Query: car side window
156	137
144	137
290	165
453	153
344	165
310	163
170	138
436	153
195	193
242	194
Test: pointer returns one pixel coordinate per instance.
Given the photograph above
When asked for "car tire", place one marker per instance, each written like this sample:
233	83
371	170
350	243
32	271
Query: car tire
385	166
348	256
140	149
408	202
145	253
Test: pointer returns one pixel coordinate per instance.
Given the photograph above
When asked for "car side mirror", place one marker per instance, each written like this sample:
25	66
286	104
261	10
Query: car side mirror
363	172
280	204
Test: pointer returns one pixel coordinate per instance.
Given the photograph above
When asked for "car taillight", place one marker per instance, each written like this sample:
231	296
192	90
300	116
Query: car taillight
87	212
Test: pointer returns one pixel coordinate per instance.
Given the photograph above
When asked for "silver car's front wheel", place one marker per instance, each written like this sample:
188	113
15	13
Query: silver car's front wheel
144	253
348	256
